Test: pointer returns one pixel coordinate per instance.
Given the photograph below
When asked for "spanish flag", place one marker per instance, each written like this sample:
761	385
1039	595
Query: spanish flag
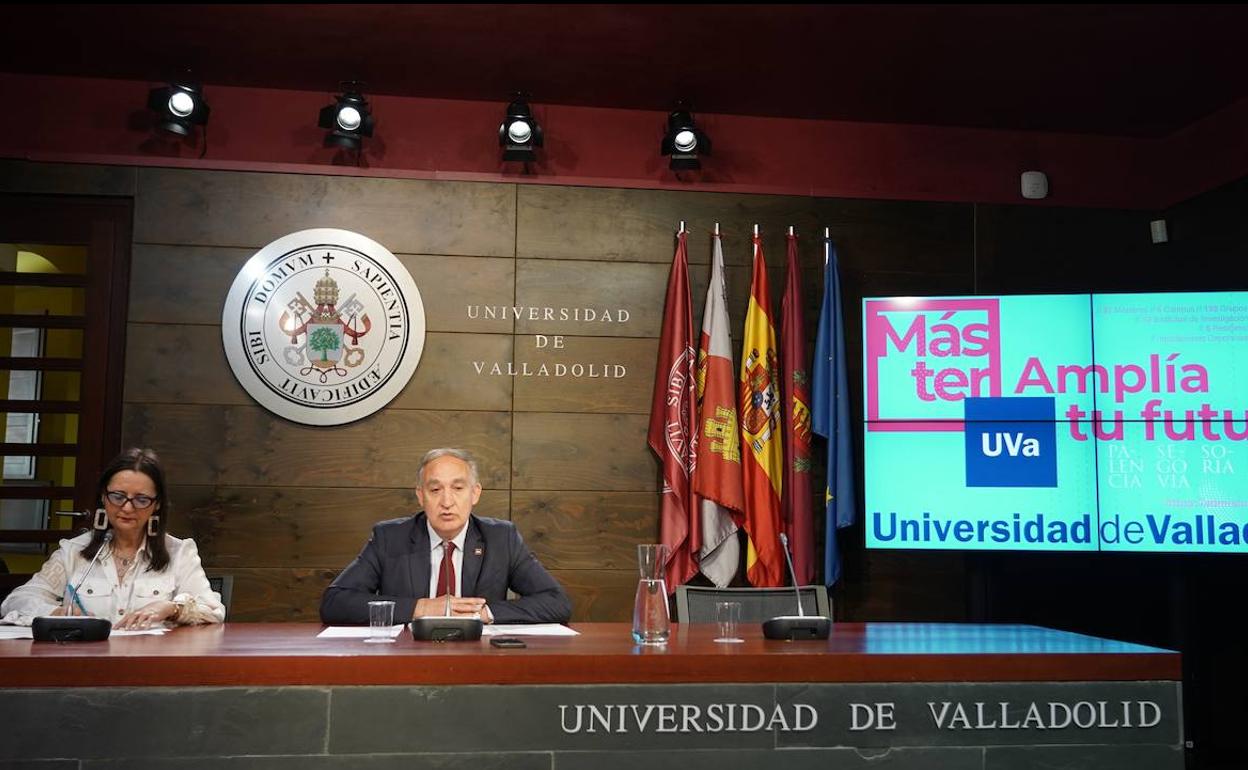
761	440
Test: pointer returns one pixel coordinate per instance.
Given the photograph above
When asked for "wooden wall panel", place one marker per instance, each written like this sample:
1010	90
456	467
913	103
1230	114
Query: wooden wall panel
292	526
456	291
616	375
247	446
177	364
182	284
188	284
571	285
277	595
447	376
20	176
639	225
599	595
586	530
587	452
228	208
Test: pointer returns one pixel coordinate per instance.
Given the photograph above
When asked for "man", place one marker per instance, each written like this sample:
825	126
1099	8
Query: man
405	562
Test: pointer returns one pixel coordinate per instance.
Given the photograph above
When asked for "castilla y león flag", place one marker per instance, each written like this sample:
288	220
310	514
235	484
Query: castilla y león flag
761	441
717	479
673	422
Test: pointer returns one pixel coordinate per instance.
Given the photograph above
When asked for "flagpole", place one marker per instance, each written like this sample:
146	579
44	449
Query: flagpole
717	228
682	227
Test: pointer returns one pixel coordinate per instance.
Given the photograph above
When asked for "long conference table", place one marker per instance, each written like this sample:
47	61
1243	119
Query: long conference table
877	695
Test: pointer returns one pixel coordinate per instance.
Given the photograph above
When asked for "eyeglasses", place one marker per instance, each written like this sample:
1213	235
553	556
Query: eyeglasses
119	499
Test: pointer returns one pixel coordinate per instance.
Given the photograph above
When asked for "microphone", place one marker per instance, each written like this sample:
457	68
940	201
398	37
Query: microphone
74	628
801	625
73	591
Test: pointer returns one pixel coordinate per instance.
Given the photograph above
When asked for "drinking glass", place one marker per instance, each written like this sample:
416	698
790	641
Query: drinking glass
380	622
728	616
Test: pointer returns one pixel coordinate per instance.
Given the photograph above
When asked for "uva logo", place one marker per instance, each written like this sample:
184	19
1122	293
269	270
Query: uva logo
1013	444
1010	442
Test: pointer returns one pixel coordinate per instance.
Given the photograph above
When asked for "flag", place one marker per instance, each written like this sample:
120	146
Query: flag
673	418
831	414
717	478
761	441
798	517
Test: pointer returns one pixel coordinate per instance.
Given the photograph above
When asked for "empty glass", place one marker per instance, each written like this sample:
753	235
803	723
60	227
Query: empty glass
728	616
380	622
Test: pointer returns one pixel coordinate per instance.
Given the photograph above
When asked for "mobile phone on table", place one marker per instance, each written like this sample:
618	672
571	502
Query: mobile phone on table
508	642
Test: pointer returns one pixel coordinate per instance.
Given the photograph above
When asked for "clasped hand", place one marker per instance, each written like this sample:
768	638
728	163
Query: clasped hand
460	607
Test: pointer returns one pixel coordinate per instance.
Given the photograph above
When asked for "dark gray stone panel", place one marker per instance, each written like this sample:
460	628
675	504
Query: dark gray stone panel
410	719
788	759
952	714
1085	758
40	764
532	761
162	722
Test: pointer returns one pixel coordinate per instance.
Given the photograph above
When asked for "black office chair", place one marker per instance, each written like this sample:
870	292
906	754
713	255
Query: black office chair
224	585
696	604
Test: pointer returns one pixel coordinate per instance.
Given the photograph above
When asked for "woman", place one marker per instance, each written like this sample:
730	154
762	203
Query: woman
126	569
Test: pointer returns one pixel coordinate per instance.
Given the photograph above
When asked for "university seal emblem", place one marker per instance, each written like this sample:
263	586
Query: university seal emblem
323	327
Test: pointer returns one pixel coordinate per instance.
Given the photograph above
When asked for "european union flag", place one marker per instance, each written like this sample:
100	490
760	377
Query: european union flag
831	414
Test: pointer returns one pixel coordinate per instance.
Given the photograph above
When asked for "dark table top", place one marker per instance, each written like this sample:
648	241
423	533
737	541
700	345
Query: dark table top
276	654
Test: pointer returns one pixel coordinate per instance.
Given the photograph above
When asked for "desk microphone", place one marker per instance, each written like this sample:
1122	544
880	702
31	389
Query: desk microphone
74	628
801	625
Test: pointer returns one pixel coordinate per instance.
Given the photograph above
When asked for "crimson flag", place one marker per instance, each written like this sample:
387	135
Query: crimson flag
673	421
799	520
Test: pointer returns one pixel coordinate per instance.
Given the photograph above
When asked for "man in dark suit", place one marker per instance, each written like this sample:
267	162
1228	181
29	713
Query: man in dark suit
406	560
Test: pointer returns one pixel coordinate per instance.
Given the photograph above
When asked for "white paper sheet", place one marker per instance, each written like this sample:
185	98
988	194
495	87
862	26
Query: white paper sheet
535	629
15	632
138	632
354	632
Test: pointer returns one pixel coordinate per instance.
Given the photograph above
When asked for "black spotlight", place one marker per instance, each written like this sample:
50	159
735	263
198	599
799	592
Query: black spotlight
684	141
179	107
519	134
348	119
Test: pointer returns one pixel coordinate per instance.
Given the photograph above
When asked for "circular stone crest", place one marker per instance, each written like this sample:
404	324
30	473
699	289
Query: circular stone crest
323	326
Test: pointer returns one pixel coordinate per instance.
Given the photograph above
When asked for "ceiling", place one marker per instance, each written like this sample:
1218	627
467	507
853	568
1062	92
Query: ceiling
1128	70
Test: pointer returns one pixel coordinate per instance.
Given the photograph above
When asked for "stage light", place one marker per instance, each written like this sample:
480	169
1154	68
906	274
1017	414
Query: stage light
519	134
179	107
684	141
348	119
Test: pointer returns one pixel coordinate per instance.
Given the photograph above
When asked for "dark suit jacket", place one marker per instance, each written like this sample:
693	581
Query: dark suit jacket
395	565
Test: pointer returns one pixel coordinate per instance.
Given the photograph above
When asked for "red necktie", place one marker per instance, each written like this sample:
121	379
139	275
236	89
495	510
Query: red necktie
446	574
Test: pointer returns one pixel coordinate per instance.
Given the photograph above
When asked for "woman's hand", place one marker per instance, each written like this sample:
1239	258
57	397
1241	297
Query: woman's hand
152	615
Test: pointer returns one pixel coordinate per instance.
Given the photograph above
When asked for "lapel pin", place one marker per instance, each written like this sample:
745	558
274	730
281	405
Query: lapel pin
478	551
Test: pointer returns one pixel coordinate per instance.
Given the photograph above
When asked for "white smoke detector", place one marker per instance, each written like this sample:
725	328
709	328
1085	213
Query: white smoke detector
1035	185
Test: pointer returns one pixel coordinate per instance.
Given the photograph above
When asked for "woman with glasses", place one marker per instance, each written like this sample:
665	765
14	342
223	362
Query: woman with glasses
126	569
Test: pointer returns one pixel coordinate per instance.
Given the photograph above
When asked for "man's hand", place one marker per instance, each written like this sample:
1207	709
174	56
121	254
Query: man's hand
460	607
